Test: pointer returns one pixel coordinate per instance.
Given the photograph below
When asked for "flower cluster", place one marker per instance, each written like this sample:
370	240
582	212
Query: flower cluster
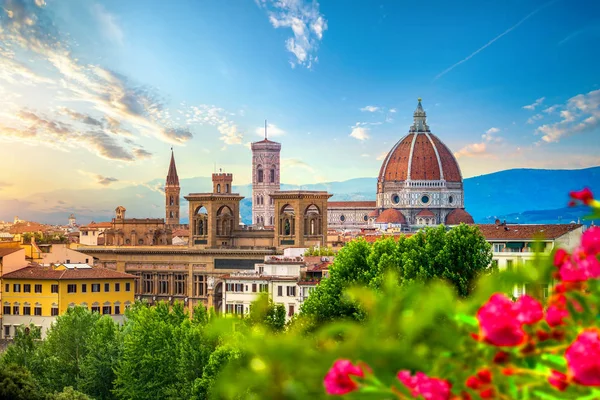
522	329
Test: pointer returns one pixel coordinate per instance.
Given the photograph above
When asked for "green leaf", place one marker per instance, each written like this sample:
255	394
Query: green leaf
467	319
555	359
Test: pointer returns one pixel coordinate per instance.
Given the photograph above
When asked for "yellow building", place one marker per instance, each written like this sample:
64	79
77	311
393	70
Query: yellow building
37	294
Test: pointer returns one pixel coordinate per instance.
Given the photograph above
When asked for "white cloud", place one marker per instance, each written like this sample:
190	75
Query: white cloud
382	156
472	150
551	109
533	105
272	130
534	118
392	110
581	114
370	108
305	21
365	155
360	132
490	135
108	24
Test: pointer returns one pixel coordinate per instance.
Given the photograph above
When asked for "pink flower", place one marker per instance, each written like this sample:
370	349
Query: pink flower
529	310
590	241
585	196
338	381
555	315
583	358
558	380
571	272
501	320
422	385
580	267
560	257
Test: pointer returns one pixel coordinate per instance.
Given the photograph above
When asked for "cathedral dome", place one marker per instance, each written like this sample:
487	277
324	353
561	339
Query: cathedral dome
458	216
420	156
390	216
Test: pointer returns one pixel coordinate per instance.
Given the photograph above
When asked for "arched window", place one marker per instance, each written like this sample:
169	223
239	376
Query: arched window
272	175
227	188
218	188
170	214
171	201
259	174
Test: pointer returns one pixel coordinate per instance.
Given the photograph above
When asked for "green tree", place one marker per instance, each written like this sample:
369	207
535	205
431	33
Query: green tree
67	344
264	311
70	394
16	383
219	359
458	256
23	349
102	354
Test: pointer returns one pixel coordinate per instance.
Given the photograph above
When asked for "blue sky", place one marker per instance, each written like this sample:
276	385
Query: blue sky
100	90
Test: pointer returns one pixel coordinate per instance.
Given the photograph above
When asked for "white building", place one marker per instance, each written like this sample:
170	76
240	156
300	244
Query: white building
89	234
514	245
279	276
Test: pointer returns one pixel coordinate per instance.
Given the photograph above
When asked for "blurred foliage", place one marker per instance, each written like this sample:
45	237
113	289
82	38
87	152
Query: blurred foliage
319	251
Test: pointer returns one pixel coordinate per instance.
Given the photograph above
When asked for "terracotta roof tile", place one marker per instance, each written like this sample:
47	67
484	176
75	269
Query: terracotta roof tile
391	216
425	213
525	232
37	272
4	251
458	216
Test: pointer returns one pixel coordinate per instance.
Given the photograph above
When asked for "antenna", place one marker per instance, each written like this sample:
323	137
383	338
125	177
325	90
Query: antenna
265	129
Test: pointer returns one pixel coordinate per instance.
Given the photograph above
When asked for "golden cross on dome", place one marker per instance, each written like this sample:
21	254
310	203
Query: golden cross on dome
419	99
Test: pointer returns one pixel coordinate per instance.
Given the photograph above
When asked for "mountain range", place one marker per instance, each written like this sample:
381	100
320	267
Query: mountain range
515	195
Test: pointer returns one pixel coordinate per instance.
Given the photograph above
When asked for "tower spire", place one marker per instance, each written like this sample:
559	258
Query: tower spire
172	178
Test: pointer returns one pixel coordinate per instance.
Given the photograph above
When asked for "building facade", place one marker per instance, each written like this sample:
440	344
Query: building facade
136	231
37	295
92	234
265	181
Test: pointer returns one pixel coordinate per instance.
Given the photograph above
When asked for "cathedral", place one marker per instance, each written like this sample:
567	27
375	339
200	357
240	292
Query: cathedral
419	184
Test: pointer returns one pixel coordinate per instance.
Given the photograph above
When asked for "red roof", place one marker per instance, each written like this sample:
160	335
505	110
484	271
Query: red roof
4	251
425	213
324	266
37	272
351	204
526	232
181	233
391	216
27	227
96	225
458	216
307	283
374	213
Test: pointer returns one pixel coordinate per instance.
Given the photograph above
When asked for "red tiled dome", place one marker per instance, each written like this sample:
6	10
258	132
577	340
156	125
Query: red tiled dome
425	213
391	216
420	155
458	216
374	213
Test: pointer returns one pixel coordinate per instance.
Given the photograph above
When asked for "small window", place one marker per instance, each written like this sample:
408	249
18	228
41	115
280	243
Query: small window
84	288
342	218
54	288
106	310
425	199
96	309
17	288
37	310
7	288
218	188
72	288
16	310
54	311
6	310
291	310
26	310
117	309
127	287
450	199
38	288
291	291
27	288
107	287
254	288
395	199
279	290
6	331
117	287
68	261
95	287
260	175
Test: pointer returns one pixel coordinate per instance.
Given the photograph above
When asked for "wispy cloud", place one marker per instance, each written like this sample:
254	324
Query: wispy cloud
97	178
581	114
305	21
535	104
382	156
109	25
360	132
4	185
488	44
481	149
272	130
370	108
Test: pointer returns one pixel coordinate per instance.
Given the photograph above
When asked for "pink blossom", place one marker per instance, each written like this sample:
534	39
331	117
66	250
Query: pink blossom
590	241
555	315
583	358
560	257
558	380
571	272
501	320
422	385
529	310
585	196
338	381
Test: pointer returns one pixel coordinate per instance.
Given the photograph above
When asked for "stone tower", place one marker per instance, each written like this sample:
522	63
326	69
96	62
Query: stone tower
265	180
172	190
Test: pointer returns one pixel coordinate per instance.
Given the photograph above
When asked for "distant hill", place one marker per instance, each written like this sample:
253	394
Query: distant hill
517	195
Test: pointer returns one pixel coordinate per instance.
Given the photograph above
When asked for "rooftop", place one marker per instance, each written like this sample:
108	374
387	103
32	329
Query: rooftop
4	251
43	273
522	231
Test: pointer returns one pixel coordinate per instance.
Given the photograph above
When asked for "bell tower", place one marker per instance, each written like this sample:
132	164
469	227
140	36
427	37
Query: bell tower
265	180
172	190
